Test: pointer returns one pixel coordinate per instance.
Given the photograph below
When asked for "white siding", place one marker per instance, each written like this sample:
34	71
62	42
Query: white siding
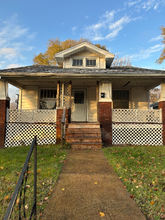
67	63
92	105
102	63
30	97
139	98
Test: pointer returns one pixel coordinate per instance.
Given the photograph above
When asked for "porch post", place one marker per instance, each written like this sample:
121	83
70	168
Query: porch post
162	106
4	103
105	111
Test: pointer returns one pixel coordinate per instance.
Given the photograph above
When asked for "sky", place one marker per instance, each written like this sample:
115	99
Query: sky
127	28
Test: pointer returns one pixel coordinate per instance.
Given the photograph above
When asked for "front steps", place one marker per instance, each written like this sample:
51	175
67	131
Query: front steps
84	136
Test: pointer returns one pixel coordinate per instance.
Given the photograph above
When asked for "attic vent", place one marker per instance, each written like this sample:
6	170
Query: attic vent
77	62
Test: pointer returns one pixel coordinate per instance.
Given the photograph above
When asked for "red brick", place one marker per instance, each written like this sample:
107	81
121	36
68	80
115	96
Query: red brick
105	116
3	105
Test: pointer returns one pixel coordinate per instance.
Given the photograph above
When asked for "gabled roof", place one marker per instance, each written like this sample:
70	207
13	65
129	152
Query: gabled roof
85	46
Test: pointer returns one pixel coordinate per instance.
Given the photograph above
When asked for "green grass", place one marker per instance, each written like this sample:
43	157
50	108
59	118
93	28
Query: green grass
49	164
142	170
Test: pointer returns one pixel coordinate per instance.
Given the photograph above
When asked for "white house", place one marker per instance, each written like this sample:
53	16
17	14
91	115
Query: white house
115	99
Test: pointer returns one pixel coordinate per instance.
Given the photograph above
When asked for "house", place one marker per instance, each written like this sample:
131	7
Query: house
114	98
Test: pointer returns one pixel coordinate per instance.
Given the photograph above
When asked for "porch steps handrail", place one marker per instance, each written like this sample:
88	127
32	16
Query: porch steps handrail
20	183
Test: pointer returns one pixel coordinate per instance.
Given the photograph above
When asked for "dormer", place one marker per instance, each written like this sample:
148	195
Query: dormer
84	55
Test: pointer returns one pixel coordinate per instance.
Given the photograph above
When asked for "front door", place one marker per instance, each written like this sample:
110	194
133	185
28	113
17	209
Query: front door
79	107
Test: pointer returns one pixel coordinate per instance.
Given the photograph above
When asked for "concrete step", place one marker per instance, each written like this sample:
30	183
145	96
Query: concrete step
84	140
82	135
80	146
84	125
83	130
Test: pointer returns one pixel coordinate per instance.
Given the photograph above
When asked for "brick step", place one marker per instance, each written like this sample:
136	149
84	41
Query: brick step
83	130
83	125
82	135
80	146
90	140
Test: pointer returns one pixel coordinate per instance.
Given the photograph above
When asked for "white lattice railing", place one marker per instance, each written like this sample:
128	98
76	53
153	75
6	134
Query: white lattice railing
31	116
137	115
23	125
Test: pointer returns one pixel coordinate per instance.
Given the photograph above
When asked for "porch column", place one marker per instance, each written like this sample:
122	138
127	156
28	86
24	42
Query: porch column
4	103
105	111
162	106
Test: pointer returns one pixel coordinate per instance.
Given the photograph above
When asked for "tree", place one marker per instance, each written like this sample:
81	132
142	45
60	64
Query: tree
121	61
162	56
54	46
154	95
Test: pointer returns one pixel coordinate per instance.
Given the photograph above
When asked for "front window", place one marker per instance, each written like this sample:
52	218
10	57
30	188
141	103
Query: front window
48	98
77	62
90	62
120	99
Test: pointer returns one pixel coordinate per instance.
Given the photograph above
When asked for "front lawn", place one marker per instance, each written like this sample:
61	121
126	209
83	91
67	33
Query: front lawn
142	170
49	163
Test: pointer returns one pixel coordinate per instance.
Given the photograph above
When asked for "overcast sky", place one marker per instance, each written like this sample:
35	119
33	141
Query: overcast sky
129	28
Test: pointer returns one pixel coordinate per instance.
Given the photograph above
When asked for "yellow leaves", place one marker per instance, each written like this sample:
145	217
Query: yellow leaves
101	214
120	177
156	189
95	183
46	198
125	180
17	201
2	168
151	203
117	165
134	181
9	188
63	189
43	183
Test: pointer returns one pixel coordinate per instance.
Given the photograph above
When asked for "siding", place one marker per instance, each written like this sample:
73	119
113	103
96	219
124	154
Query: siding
139	98
30	97
102	63
92	105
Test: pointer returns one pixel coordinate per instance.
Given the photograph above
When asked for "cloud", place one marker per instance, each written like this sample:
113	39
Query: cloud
144	54
8	53
86	16
146	5
74	28
14	41
156	38
108	27
13	66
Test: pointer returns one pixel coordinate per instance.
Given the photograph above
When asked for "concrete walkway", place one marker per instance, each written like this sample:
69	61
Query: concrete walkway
83	198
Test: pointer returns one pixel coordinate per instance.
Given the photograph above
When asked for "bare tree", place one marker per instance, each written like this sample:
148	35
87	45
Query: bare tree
122	61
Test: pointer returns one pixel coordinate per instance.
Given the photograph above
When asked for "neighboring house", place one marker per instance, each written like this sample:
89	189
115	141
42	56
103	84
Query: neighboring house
95	92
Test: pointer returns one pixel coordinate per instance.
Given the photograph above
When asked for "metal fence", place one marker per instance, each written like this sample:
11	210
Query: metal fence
23	125
136	127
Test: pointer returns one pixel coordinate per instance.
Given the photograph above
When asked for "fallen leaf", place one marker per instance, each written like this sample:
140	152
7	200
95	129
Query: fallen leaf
101	214
95	182
46	198
125	180
156	189
63	189
9	188
125	187
27	186
17	201
1	168
132	196
39	171
6	197
26	206
151	202
117	165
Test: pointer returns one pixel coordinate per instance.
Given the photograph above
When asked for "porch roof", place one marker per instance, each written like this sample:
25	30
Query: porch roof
113	72
121	77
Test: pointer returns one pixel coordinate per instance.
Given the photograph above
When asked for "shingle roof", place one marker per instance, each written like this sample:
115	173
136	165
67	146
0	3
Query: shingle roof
55	69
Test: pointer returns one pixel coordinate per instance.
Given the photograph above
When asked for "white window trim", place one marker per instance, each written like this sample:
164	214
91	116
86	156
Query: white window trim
84	62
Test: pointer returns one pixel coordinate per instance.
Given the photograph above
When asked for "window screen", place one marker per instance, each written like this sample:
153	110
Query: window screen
120	99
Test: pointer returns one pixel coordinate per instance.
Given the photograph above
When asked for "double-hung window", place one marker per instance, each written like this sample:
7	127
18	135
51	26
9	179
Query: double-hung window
90	62
77	62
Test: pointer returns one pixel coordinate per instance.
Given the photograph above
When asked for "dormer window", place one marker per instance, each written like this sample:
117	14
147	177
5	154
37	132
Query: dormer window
77	62
90	62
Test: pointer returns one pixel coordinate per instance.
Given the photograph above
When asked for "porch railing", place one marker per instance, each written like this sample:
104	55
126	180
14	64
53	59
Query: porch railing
19	187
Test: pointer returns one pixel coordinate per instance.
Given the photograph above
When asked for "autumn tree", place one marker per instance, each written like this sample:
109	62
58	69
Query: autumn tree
162	56
154	95
121	61
54	46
